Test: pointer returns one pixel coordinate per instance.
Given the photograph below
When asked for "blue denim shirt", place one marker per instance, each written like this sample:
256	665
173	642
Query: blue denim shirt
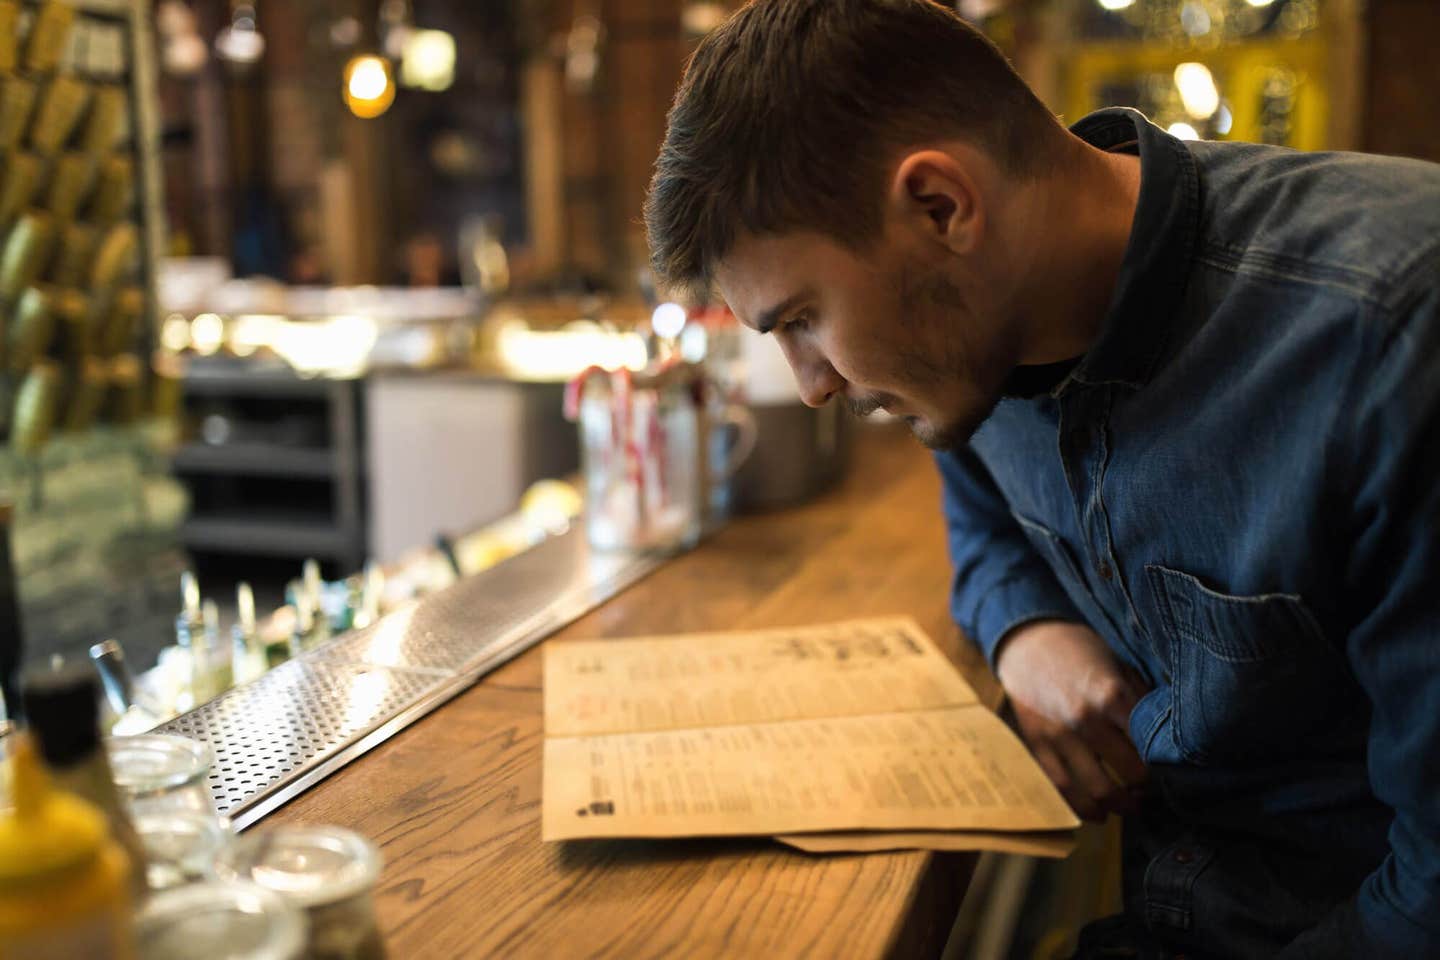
1238	486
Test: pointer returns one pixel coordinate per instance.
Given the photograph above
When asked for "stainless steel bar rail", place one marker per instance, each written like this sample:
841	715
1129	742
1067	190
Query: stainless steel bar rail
287	730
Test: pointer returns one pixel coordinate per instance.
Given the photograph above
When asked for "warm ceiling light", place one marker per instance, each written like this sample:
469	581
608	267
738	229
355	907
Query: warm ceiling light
240	43
428	61
1198	92
369	86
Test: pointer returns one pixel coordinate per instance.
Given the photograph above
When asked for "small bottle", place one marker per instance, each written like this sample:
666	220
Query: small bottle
314	593
371	593
190	621
65	884
277	650
311	628
177	662
245	651
304	621
62	712
211	668
354	596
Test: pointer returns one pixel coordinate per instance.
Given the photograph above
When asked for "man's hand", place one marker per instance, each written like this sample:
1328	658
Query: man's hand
1072	700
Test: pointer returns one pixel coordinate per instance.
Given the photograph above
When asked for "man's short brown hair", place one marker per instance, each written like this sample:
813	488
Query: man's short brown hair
789	112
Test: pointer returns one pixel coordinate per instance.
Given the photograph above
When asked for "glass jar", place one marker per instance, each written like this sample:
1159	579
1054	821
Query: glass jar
181	846
640	454
159	773
329	872
220	921
649	456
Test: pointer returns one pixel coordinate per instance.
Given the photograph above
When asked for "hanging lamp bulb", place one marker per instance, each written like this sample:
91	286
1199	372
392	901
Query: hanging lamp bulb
368	85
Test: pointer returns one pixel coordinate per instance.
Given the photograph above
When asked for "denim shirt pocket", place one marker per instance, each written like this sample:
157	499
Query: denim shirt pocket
1250	674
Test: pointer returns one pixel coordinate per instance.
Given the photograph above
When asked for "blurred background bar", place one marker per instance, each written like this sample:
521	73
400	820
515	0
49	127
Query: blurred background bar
293	292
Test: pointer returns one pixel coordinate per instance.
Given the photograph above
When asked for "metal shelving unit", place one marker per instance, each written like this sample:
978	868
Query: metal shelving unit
281	434
254	459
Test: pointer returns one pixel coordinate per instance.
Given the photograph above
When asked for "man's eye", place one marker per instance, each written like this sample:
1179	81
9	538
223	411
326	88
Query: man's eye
798	322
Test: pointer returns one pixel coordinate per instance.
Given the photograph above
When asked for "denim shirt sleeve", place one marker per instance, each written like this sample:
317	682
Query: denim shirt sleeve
1000	581
1391	424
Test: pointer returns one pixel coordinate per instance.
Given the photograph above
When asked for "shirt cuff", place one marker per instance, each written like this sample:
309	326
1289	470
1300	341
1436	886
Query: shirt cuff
1014	602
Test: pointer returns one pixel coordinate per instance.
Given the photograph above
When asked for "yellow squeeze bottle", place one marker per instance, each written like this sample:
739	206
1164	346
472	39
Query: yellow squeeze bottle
63	881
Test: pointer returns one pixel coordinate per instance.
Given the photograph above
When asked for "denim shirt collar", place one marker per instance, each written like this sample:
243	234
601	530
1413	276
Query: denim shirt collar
1157	258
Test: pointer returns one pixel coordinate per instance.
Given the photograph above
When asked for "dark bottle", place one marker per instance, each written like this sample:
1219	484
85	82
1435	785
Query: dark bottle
11	633
62	711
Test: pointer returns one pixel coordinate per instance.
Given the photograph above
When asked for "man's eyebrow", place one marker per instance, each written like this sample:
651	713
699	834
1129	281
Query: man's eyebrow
767	319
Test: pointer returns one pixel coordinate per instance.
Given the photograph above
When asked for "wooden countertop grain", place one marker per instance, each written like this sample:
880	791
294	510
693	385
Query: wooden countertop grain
454	800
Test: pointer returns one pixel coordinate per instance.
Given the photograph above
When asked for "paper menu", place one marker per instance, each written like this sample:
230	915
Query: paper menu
1054	844
862	725
715	679
930	769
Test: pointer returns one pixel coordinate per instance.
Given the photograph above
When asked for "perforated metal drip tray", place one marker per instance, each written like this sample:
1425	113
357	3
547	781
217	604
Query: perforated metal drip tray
310	716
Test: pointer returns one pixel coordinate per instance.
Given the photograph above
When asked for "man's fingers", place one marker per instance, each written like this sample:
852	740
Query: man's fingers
1117	700
1088	779
1059	775
1117	754
1053	766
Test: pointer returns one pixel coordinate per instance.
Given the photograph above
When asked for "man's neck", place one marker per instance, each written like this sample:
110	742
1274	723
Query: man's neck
1077	229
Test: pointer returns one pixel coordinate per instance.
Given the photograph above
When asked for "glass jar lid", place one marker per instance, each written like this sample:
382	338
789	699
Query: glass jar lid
220	921
154	763
311	865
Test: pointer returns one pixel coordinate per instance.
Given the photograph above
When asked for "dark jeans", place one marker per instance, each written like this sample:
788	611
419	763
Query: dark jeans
1196	893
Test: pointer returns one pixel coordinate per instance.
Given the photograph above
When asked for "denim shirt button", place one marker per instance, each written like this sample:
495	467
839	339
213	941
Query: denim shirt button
1104	570
1183	855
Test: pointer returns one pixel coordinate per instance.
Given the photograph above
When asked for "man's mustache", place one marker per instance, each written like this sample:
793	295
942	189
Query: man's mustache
864	406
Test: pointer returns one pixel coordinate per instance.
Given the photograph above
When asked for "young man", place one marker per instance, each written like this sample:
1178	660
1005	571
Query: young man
1185	399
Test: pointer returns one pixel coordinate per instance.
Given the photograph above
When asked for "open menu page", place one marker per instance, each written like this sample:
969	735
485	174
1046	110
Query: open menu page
860	725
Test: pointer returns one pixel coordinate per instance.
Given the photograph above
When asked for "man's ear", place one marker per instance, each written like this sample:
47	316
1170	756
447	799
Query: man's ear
933	194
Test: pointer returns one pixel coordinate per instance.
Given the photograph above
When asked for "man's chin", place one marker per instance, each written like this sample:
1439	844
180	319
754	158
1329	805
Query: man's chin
947	437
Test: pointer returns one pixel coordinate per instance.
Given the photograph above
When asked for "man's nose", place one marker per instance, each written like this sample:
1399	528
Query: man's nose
814	376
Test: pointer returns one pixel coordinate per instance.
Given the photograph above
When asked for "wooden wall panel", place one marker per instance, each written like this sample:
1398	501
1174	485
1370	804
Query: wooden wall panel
1402	103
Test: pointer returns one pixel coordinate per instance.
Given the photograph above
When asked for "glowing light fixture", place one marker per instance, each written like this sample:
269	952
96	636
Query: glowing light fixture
1259	3
369	87
1183	131
428	60
182	52
561	354
240	43
175	333
250	332
338	345
668	320
1116	4
1197	90
1224	120
207	333
702	17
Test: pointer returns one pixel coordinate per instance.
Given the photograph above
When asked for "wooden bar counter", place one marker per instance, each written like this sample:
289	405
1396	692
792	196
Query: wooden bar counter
454	800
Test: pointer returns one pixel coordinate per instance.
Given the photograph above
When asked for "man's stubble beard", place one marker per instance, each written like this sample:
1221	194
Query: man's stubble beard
936	299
